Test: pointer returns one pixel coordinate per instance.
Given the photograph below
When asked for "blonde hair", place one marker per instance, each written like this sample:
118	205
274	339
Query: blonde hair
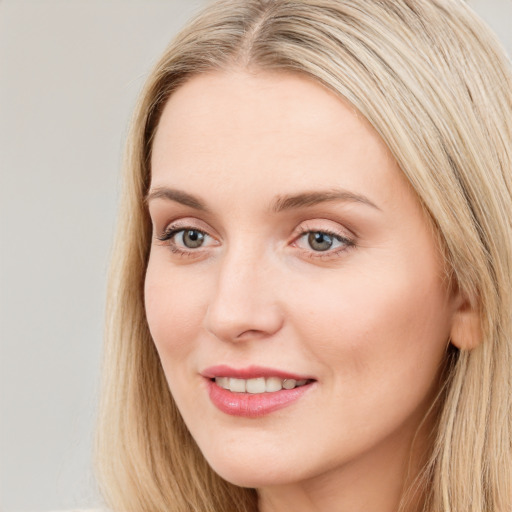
436	85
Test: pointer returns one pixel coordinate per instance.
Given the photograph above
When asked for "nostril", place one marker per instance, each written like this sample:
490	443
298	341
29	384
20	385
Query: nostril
230	317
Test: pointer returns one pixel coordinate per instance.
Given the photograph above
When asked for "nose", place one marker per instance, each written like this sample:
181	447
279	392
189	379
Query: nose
244	303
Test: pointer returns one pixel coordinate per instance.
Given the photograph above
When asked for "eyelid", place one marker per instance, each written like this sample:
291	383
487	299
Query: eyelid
188	223
167	237
345	238
324	226
341	234
171	231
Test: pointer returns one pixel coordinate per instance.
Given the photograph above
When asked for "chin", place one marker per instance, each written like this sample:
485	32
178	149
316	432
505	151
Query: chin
256	478
246	472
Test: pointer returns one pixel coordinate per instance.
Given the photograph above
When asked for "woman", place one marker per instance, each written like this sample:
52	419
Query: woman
310	295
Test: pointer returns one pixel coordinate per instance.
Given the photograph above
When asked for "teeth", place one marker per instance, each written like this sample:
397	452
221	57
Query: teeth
237	385
289	383
273	384
258	385
223	382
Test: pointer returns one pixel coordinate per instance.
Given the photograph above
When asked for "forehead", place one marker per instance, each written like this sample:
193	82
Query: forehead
254	130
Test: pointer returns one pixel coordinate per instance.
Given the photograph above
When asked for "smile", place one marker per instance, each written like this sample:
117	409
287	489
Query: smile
255	391
258	385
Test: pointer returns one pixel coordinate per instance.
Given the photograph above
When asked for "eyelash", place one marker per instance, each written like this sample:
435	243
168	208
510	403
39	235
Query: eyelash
171	231
347	243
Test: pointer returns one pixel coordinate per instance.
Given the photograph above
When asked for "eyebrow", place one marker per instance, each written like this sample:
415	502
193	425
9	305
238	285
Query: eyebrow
177	196
280	204
305	199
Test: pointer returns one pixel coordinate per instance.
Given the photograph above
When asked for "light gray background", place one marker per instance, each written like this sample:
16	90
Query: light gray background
70	71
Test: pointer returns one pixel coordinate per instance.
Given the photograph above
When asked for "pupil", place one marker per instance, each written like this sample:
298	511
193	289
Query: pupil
320	241
193	239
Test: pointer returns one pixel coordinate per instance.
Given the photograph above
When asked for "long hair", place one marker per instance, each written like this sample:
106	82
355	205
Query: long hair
437	86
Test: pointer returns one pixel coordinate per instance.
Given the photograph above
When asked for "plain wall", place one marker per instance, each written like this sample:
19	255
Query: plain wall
69	74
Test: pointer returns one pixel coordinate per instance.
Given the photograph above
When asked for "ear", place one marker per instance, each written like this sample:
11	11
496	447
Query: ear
466	330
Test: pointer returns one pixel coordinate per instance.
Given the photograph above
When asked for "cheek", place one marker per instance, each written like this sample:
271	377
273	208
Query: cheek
376	333
173	310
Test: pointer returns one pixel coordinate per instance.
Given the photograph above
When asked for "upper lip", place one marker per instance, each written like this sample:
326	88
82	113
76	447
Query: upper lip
250	372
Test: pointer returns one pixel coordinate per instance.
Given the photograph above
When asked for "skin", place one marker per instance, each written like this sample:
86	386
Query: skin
369	319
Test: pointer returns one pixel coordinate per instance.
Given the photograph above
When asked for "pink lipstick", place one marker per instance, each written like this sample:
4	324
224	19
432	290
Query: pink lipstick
254	391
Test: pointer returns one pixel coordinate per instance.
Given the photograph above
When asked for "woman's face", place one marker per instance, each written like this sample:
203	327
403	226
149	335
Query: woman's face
289	250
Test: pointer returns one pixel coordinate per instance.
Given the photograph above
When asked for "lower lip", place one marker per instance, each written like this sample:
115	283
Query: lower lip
251	405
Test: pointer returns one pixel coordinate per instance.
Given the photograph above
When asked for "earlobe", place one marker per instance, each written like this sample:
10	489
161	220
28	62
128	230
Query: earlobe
466	330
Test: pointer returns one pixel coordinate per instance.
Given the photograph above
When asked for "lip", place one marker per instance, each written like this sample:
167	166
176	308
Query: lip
250	405
250	372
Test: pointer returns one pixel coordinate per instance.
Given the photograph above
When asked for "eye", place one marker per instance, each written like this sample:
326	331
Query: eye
319	241
324	242
185	239
191	238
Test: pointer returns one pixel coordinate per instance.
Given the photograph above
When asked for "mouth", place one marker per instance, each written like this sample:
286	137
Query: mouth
254	392
259	384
